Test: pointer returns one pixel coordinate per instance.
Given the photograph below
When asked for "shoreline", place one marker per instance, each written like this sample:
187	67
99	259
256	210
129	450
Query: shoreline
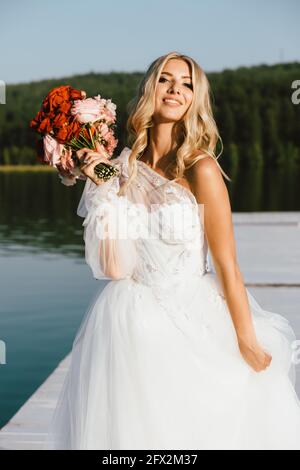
26	168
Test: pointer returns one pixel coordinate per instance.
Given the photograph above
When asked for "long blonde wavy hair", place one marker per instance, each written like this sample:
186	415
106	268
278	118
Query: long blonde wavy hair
196	133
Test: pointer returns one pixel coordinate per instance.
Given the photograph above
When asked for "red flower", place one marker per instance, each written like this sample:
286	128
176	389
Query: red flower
45	126
66	106
58	101
34	123
61	96
62	135
61	120
73	130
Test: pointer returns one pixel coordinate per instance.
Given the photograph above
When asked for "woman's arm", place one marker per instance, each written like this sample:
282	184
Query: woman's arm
210	190
108	255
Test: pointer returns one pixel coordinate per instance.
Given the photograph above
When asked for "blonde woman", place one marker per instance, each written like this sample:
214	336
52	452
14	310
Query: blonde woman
172	354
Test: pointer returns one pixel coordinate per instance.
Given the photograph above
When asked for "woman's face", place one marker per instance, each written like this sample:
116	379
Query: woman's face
174	91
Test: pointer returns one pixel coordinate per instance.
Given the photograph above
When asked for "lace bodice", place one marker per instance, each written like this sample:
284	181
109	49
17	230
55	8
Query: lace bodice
156	234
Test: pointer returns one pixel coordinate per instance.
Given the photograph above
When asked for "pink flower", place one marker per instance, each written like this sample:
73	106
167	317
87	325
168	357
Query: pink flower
88	110
93	109
111	107
67	174
102	129
66	161
109	116
111	142
67	180
52	149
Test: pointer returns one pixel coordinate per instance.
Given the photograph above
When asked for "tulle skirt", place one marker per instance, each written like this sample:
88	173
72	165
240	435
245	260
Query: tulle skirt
165	372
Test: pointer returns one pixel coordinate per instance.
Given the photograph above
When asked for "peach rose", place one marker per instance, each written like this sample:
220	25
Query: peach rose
88	110
52	150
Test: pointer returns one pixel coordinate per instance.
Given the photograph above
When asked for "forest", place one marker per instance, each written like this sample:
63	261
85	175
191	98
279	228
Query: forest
257	120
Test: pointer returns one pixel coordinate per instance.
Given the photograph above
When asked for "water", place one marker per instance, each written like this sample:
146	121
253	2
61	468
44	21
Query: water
255	190
46	286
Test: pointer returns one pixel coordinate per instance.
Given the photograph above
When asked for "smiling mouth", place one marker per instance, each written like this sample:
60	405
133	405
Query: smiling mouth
171	102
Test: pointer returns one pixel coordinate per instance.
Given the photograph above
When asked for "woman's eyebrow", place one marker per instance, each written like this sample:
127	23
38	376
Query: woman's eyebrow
184	76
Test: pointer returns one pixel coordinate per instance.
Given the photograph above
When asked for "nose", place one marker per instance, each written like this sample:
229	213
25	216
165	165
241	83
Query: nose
174	88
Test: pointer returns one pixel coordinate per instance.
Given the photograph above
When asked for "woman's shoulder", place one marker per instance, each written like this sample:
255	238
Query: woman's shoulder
205	166
205	177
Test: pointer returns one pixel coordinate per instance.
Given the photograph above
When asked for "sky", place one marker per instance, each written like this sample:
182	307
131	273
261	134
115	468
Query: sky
59	38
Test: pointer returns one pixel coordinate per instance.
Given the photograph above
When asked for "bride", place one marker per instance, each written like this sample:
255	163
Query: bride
171	354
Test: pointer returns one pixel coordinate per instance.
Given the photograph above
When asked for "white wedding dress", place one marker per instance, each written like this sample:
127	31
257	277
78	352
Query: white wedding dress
155	363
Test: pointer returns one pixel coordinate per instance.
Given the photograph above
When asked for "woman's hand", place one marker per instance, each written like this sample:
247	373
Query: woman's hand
89	159
254	355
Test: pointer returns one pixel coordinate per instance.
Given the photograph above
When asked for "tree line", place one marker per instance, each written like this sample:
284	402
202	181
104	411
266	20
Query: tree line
257	120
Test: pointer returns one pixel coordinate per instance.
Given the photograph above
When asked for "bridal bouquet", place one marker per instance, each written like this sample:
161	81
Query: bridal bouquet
67	122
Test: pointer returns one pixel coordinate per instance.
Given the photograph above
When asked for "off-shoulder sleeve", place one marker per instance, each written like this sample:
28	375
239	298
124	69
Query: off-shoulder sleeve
110	248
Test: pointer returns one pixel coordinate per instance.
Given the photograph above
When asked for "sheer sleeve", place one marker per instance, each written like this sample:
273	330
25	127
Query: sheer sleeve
110	251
